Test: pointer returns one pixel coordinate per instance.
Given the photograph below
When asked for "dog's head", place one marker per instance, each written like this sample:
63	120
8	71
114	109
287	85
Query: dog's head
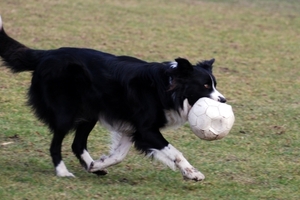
193	82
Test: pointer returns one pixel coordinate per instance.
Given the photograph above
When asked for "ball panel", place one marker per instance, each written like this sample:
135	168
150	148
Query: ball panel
199	109
192	118
230	122
210	135
212	112
200	134
218	125
225	110
203	122
210	102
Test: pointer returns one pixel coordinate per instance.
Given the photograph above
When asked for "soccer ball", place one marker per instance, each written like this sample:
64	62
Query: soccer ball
210	119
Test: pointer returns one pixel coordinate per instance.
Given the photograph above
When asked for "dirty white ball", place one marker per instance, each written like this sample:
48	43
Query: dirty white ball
210	119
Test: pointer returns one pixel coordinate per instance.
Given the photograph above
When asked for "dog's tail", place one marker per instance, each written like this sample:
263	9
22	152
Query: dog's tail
16	56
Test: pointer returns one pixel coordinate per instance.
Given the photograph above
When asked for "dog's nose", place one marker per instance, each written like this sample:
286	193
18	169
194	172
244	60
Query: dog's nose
222	99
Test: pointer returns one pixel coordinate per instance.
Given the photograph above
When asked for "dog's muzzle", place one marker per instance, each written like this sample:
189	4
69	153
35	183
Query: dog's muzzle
222	99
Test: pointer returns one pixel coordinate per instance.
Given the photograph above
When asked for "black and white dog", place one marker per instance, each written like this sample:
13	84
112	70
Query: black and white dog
73	88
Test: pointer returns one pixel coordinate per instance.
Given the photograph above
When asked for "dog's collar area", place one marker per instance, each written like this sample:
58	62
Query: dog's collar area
173	64
170	80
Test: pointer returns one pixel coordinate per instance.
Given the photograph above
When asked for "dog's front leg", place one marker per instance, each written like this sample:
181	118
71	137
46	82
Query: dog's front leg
174	158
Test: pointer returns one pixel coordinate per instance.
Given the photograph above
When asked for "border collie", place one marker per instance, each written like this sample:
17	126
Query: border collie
74	88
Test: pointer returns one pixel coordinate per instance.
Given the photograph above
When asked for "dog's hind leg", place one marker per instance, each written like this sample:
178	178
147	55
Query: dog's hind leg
55	151
61	123
79	145
121	144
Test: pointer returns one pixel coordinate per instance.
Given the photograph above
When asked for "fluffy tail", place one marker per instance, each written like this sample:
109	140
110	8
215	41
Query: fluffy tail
16	56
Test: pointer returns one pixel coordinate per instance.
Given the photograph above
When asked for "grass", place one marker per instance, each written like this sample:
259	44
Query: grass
256	46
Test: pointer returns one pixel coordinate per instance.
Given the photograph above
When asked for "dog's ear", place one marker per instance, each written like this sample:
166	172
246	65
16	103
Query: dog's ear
206	64
179	72
210	62
183	65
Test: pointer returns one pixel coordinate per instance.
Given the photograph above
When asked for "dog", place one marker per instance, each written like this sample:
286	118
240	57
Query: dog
74	88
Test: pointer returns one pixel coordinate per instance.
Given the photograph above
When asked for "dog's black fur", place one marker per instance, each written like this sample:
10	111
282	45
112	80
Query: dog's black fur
72	88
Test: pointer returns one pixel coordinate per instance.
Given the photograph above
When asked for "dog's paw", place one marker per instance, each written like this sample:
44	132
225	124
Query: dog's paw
192	174
62	171
96	168
64	174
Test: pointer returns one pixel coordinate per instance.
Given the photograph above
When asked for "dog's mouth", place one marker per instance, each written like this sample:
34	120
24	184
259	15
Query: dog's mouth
215	94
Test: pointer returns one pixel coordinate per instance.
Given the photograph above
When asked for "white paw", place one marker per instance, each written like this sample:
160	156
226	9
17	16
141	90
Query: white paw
62	171
97	165
192	174
65	174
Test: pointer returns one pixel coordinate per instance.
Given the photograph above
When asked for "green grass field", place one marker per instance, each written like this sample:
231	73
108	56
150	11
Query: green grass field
257	49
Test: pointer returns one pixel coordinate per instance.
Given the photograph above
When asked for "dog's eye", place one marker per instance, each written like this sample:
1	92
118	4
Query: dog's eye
207	86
